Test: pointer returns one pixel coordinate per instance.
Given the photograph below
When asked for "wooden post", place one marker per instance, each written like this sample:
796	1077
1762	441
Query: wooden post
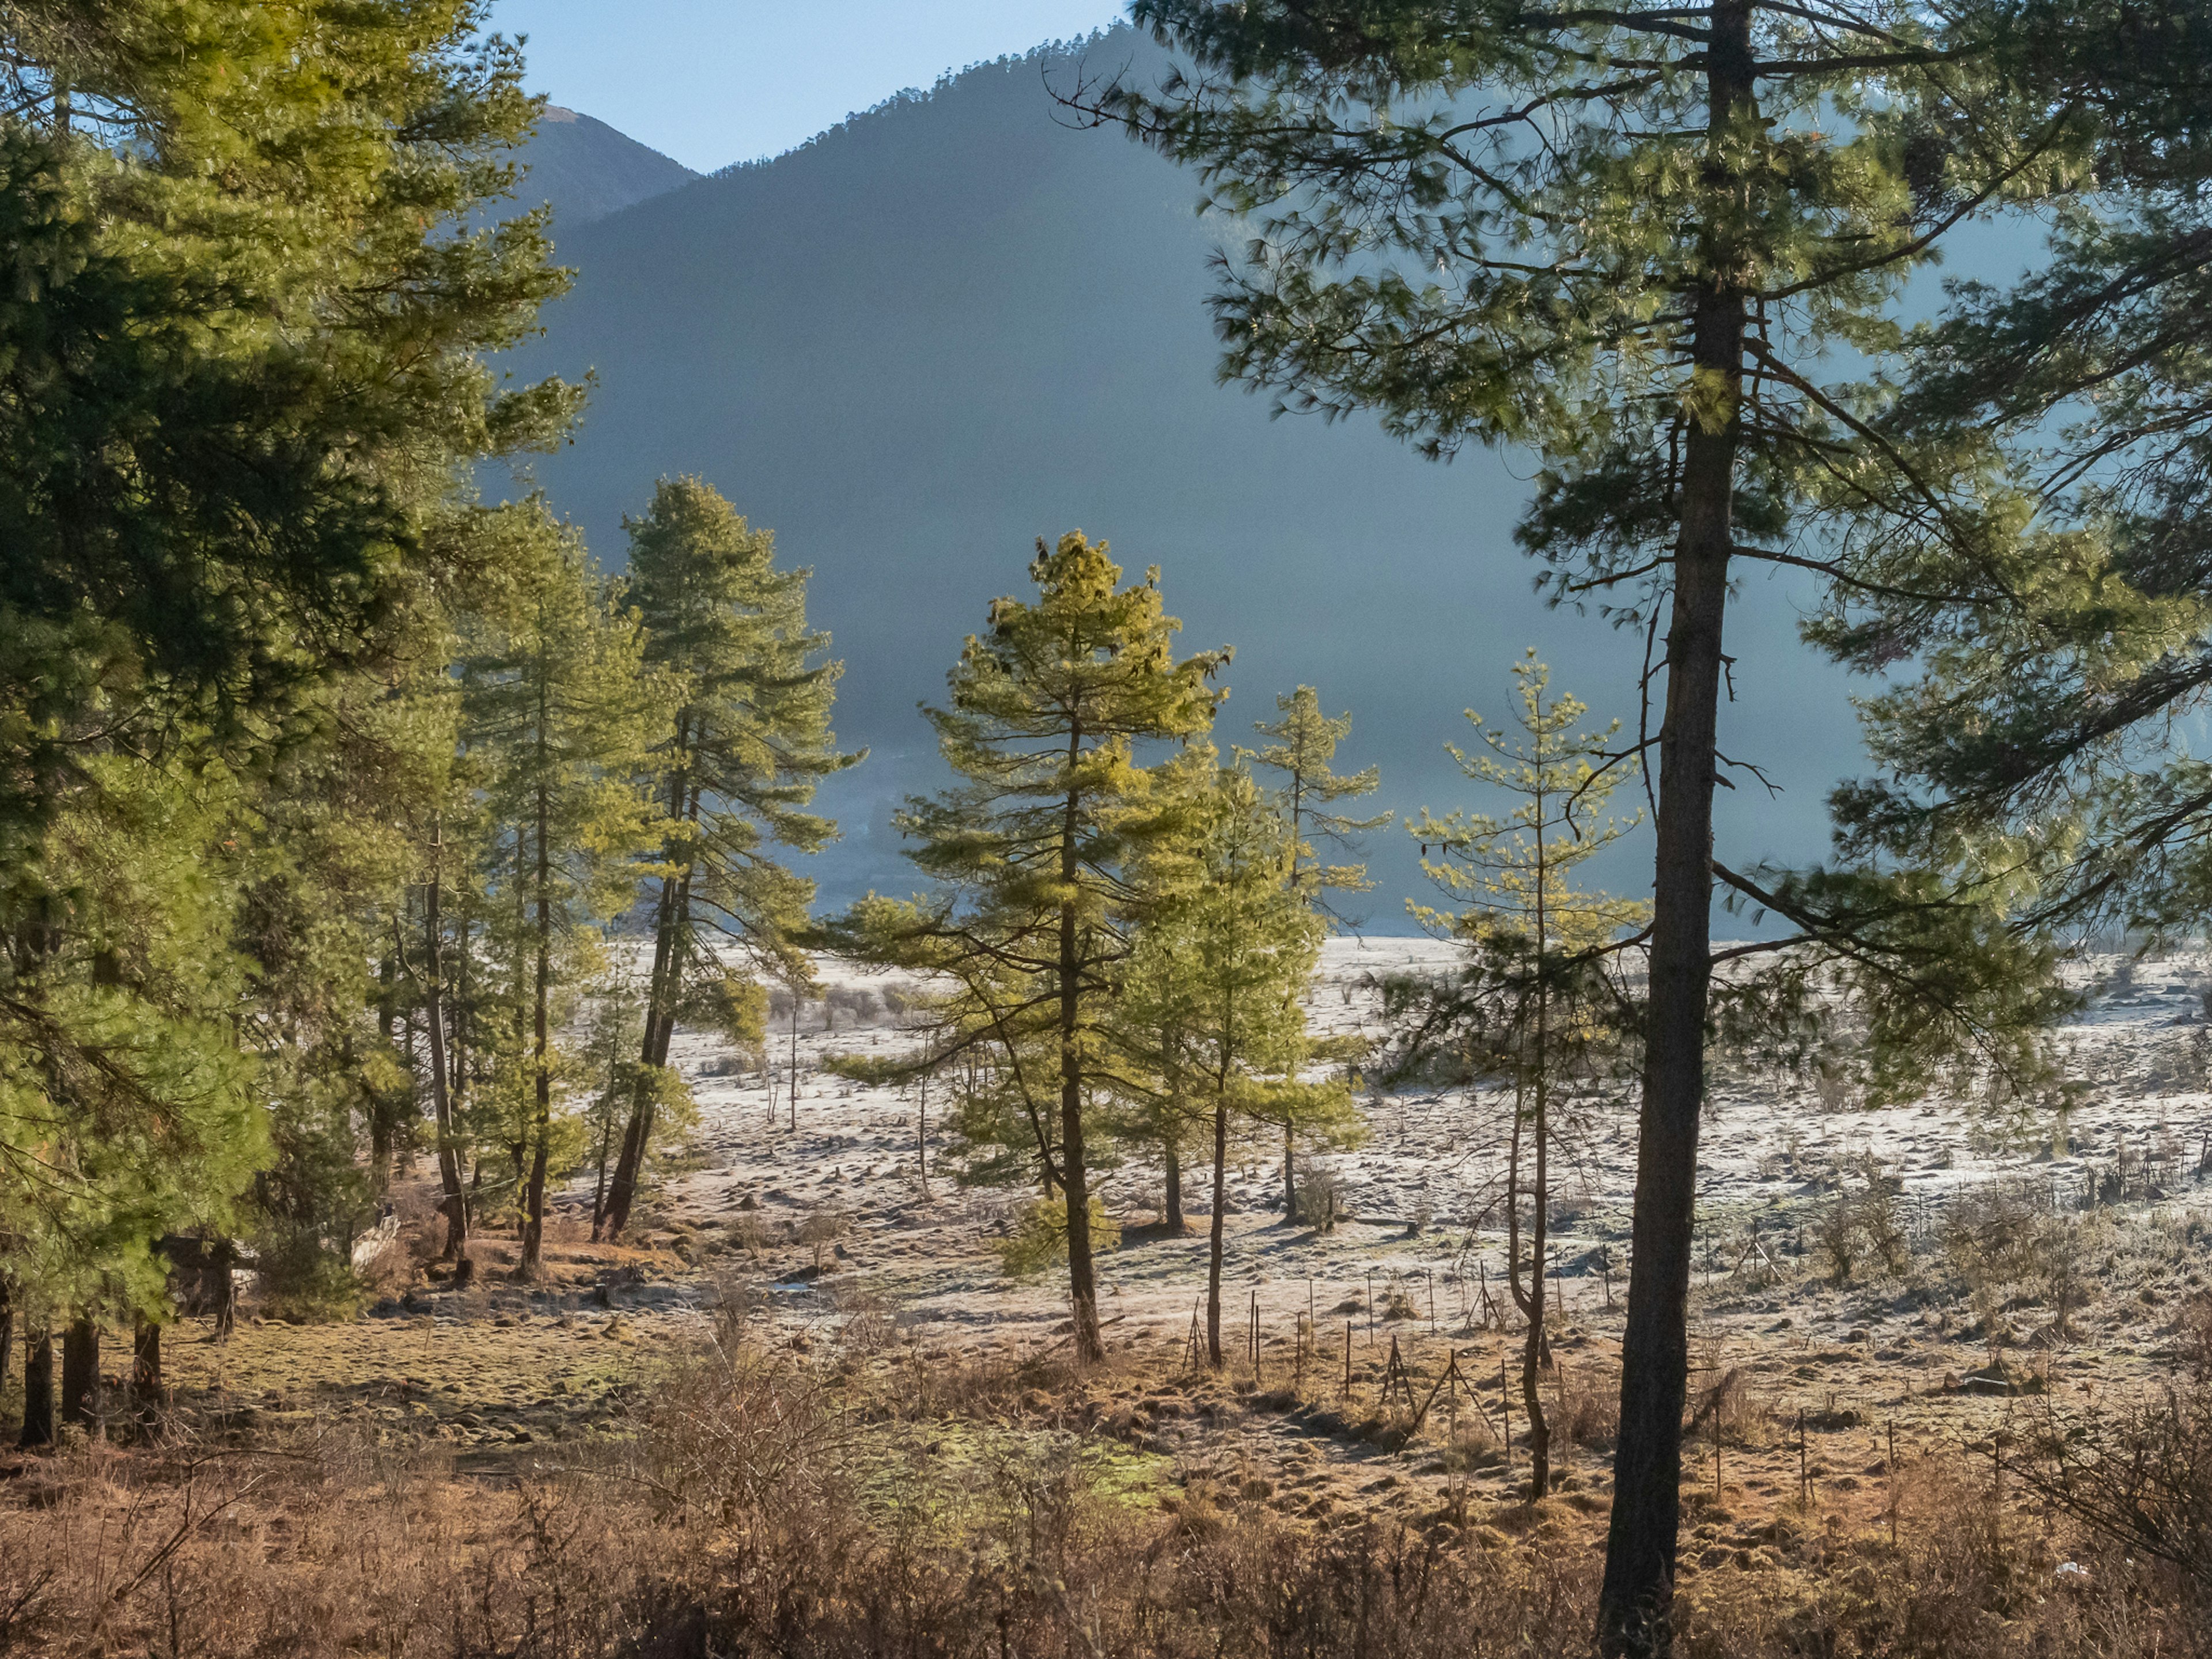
1347	1359
1892	1483
1804	1486
1370	1308
1505	1414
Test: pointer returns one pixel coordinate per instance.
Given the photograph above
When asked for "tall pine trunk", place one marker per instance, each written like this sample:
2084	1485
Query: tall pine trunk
1214	1247
1082	1276
1533	1305
663	990
1634	1607
456	1201
1172	1154
1290	1177
533	1231
384	1106
37	1387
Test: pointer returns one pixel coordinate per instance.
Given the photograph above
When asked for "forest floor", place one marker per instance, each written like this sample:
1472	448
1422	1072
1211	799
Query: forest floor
1819	1394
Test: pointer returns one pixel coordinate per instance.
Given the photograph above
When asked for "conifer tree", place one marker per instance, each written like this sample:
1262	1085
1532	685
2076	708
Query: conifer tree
1305	741
1625	239
558	698
1540	998
734	766
1032	854
244	379
2037	744
1221	966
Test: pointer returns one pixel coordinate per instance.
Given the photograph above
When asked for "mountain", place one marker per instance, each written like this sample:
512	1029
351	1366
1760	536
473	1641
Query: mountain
587	170
957	324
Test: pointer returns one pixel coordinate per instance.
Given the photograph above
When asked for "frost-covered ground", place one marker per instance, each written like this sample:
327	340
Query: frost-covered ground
1771	1151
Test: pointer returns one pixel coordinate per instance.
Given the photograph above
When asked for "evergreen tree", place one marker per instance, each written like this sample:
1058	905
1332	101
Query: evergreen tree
558	698
734	766
128	1107
244	377
1305	741
2038	746
1032	854
1625	239
1540	998
1219	968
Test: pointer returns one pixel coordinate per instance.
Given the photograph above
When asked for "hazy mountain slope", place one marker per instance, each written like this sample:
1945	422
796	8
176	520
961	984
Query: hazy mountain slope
588	170
955	325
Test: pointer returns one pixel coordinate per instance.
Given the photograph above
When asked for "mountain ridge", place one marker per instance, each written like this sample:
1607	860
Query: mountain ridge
955	324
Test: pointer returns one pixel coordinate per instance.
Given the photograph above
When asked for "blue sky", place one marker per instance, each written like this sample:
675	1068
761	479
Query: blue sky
714	81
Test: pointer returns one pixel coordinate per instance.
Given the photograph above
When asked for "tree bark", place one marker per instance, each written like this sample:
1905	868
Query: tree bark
663	990
80	1373
384	1107
37	1387
1082	1275
1290	1177
533	1226
1213	1247
1635	1601
433	985
1173	1155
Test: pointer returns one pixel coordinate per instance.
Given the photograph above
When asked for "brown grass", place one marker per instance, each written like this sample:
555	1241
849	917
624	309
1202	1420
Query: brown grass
764	1507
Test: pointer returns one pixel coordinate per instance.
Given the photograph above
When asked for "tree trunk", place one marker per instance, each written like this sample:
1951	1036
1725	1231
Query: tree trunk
6	1333
623	1192
1290	1177
1532	1350
663	990
1213	1249
37	1387
384	1107
456	1204
1635	1602
80	1373
533	1226
1173	1155
599	1190
1082	1277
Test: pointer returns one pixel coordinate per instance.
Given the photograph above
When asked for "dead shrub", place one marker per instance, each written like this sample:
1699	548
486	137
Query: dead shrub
2136	1471
1860	1229
1587	1412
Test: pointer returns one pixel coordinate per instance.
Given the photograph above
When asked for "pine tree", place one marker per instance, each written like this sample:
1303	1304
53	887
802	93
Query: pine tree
557	695
1219	968
1540	998
1625	239
2037	746
244	380
734	767
1305	741
1032	854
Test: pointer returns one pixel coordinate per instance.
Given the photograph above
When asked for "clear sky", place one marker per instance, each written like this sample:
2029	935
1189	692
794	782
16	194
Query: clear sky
714	81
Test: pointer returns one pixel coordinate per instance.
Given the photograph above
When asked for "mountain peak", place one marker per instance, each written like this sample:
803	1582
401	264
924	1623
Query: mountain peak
587	170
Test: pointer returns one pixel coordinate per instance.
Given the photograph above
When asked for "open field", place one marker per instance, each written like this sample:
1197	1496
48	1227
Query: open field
1367	1385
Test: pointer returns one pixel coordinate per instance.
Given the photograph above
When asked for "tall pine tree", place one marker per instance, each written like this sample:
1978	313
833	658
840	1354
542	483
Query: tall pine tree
558	698
1033	854
734	765
1627	239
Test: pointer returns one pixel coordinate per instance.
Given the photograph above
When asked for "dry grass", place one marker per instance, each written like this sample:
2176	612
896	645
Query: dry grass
764	1506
